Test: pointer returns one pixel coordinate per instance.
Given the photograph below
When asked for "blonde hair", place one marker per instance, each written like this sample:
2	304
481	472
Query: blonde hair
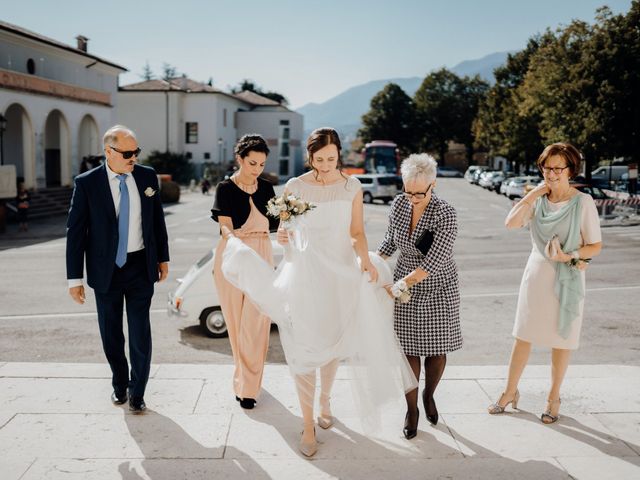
419	165
111	136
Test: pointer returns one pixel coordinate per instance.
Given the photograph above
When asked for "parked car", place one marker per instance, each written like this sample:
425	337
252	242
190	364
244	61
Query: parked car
624	184
596	192
592	190
504	185
516	187
616	172
486	179
498	180
378	186
468	175
195	300
475	179
449	172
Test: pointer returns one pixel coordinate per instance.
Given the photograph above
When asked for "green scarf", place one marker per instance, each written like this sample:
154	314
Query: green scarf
565	223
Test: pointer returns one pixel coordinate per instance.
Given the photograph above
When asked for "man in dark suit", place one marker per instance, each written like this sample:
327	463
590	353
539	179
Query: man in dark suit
116	222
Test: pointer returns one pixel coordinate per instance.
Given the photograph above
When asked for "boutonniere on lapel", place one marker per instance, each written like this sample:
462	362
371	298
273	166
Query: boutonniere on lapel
149	192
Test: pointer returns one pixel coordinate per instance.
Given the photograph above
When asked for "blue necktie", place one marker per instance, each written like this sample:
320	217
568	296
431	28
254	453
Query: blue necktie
123	222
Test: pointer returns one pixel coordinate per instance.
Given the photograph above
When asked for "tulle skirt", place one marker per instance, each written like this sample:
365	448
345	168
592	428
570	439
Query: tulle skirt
326	309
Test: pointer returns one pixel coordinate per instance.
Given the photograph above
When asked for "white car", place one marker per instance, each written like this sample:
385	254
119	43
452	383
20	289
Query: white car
516	186
378	186
486	179
468	175
196	299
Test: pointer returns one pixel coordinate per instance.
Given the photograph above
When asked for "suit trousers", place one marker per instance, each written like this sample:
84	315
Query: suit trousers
129	284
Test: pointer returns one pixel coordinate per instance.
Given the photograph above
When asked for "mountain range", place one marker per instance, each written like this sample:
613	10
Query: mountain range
344	111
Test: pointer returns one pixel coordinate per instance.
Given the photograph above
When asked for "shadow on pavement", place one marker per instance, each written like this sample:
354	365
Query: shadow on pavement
40	231
194	337
170	452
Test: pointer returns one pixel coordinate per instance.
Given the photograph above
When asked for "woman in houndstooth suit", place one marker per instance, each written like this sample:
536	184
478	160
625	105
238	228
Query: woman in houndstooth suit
428	325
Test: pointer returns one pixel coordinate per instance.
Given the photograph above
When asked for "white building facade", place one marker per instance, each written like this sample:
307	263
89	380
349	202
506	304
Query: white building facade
57	99
184	116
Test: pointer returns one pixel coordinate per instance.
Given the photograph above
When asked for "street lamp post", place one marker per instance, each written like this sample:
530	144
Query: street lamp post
3	128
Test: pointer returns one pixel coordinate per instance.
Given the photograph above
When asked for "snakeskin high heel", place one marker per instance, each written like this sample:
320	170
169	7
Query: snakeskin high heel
496	408
547	417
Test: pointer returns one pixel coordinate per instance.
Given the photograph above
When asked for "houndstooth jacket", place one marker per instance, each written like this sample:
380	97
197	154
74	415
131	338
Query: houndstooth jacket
439	218
429	324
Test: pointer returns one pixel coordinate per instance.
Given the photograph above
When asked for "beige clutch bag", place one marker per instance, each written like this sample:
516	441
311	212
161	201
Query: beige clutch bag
553	247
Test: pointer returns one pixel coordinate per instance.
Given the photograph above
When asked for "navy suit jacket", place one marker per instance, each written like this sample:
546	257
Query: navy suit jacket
92	227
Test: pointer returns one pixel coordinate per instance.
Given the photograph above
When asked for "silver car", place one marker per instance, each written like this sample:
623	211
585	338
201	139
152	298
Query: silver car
378	186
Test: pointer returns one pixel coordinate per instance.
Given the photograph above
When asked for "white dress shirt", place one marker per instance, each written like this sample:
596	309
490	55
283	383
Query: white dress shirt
135	240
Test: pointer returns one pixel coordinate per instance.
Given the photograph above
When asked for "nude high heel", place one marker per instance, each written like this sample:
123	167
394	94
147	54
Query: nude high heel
309	449
325	420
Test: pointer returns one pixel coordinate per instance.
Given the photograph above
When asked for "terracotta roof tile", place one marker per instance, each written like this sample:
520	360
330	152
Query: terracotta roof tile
255	99
178	84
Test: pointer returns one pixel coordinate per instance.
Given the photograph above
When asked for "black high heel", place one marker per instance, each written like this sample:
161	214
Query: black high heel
410	431
433	419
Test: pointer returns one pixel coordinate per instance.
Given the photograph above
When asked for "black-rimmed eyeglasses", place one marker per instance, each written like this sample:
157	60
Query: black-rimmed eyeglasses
417	195
127	154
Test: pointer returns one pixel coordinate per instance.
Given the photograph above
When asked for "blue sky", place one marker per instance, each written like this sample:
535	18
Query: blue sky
307	50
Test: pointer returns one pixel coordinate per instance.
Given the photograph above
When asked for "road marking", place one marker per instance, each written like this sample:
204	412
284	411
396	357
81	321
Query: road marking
199	219
61	315
162	310
515	294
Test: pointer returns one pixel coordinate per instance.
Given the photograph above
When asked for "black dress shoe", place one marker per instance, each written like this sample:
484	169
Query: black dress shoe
237	398
433	418
137	405
118	399
410	430
247	403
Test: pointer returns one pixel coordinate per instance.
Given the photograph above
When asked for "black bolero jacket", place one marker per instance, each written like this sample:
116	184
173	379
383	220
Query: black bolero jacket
232	201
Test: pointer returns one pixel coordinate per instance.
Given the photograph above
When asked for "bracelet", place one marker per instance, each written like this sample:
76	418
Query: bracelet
575	261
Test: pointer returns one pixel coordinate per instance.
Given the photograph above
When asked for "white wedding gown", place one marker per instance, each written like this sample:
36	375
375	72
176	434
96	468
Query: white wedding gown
324	306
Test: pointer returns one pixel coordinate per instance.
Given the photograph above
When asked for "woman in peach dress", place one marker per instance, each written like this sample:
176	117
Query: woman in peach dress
240	205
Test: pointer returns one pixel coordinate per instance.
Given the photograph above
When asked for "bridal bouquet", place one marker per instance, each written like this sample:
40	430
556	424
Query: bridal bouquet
286	207
289	209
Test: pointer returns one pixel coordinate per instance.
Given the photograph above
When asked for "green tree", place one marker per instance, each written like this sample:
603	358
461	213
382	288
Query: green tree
436	117
251	86
169	71
579	84
147	73
446	106
501	126
612	57
391	117
471	92
175	164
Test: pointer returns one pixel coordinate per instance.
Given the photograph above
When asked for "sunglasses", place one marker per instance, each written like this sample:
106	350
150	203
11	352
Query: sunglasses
127	154
417	195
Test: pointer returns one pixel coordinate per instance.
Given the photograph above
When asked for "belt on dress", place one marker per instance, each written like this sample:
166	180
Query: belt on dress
241	234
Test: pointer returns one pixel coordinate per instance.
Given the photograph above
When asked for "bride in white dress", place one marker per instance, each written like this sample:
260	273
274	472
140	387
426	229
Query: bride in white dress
327	300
